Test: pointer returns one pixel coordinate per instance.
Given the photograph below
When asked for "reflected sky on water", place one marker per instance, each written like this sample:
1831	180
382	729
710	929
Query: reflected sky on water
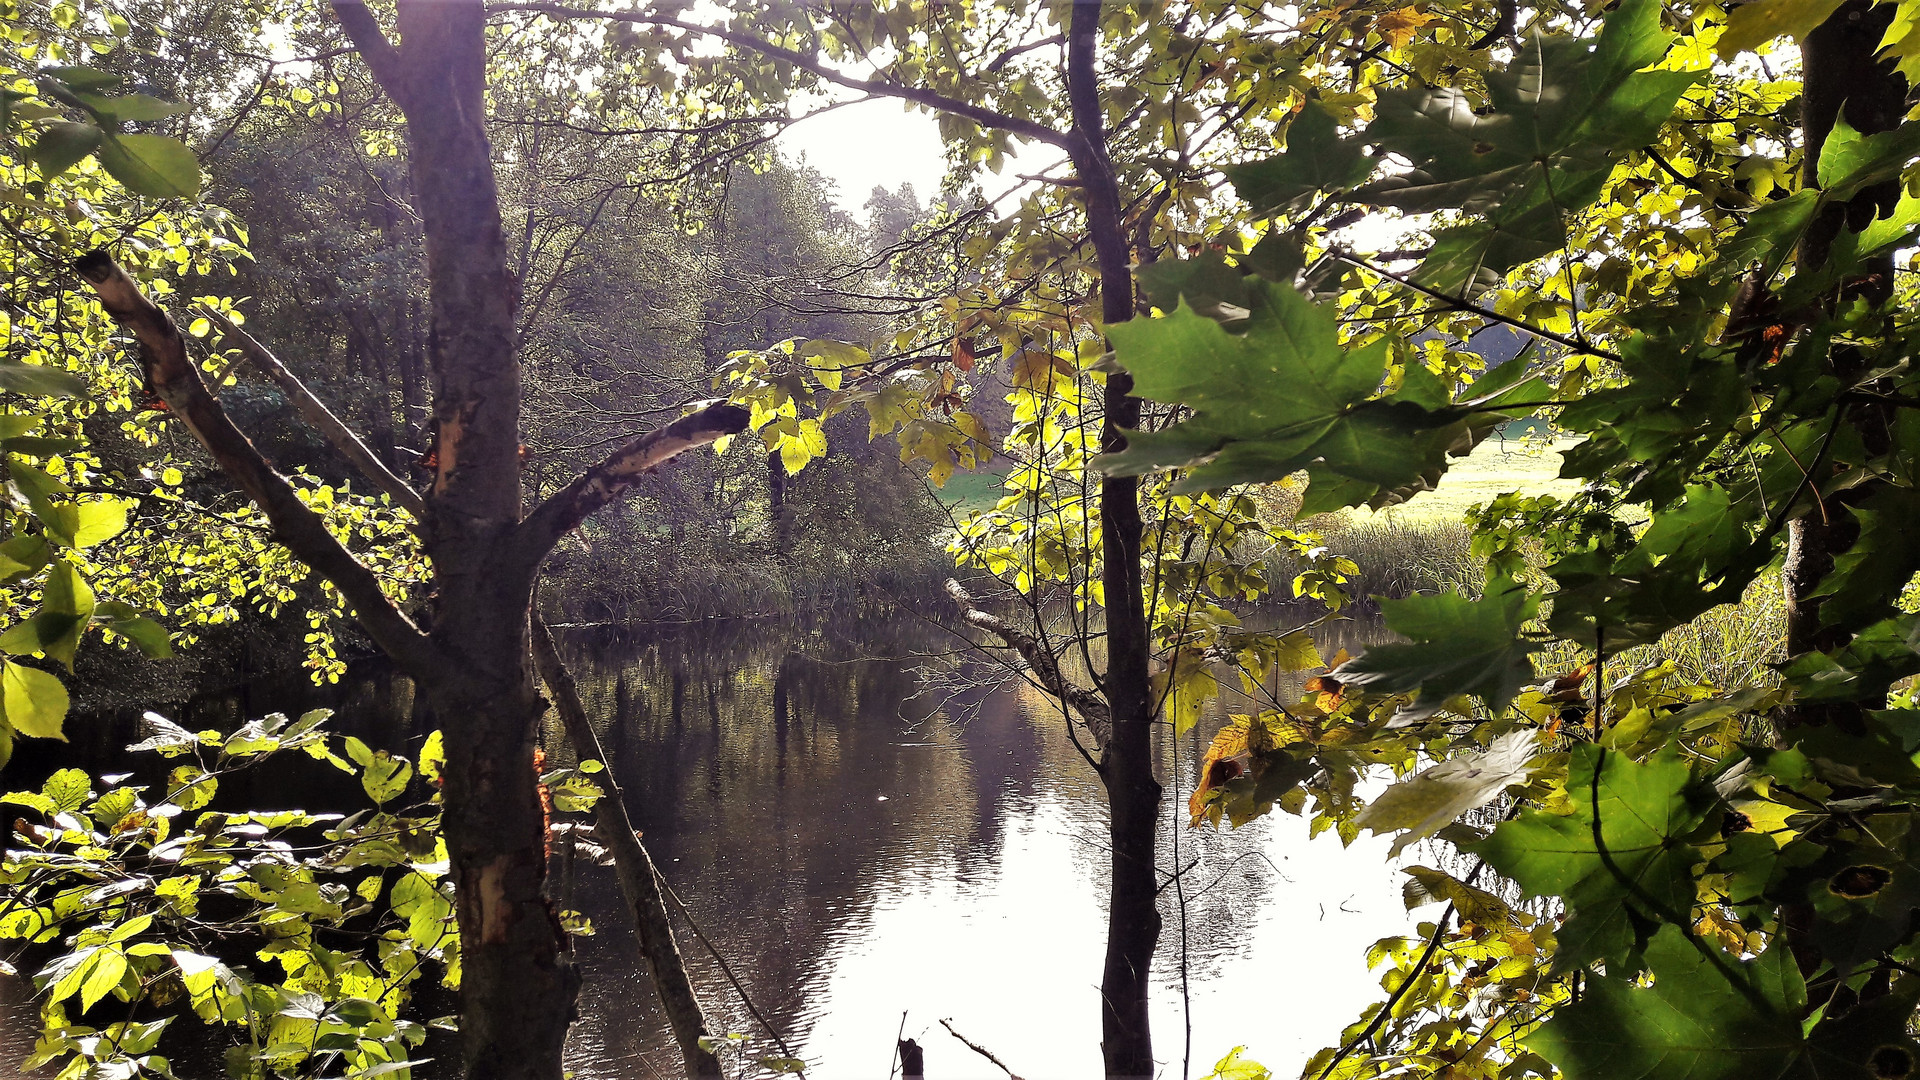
859	847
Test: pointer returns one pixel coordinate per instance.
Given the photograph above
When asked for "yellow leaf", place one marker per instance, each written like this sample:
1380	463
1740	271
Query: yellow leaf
814	437
1750	26
1298	652
1184	688
1396	27
1226	759
794	455
940	471
970	426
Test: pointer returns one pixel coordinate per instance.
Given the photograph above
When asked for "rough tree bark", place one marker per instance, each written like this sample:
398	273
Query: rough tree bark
518	987
1841	76
1126	765
517	994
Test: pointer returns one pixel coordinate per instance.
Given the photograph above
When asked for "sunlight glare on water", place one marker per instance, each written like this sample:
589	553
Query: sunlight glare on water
883	857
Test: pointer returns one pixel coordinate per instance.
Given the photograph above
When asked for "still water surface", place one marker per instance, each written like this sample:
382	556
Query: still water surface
859	848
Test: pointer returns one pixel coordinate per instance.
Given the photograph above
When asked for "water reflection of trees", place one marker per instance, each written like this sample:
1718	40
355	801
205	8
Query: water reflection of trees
756	755
776	775
757	758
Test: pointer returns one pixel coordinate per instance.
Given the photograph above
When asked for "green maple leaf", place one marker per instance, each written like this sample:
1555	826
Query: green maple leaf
1864	668
1260	399
1868	577
1456	646
1561	113
1695	555
1622	853
1850	161
1559	95
1725	1020
1317	159
1273	392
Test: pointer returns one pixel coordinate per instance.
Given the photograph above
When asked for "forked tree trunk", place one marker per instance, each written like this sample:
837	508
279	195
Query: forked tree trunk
1133	794
472	667
518	984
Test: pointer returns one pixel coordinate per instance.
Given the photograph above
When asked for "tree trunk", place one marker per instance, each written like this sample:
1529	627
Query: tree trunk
638	882
1133	794
1841	76
779	518
412	376
518	985
472	669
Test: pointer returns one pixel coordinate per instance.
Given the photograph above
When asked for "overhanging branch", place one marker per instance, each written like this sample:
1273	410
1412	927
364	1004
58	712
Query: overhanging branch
175	378
1092	707
609	480
375	50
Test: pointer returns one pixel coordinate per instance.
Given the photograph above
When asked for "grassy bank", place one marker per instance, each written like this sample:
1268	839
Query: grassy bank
1495	467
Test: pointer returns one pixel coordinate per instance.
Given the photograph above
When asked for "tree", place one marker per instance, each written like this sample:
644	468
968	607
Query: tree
1036	74
1123	733
1731	376
472	663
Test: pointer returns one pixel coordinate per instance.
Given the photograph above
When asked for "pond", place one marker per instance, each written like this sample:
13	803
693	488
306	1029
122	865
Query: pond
872	855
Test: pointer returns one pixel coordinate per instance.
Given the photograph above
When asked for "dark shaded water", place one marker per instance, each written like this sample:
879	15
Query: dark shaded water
857	849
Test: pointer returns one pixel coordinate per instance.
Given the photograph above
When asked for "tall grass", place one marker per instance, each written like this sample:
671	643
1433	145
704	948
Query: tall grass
1731	647
1396	559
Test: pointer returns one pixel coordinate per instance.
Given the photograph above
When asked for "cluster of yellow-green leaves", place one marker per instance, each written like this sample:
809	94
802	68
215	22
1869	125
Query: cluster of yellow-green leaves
300	935
55	113
302	932
77	172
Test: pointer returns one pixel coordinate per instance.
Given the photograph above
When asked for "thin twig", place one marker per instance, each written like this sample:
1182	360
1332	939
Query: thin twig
893	1063
1471	308
981	1050
725	968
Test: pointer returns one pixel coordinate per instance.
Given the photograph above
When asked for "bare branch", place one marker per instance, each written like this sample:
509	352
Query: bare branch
1002	60
979	114
1046	667
175	378
321	418
1455	303
978	1049
607	481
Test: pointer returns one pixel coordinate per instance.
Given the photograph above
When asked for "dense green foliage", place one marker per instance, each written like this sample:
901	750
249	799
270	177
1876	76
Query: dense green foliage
163	902
1713	308
1736	849
1606	187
